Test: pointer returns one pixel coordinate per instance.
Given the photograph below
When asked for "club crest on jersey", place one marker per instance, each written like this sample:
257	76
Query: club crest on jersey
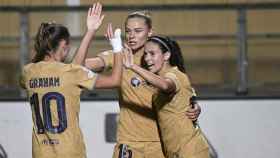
135	82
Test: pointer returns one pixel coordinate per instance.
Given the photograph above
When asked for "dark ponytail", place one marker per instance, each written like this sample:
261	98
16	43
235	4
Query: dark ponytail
176	58
47	39
167	44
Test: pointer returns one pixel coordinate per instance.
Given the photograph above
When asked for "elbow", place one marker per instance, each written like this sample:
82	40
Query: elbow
166	88
94	64
87	64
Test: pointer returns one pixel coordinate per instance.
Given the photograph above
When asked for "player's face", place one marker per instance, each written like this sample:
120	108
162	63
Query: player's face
136	33
154	57
62	50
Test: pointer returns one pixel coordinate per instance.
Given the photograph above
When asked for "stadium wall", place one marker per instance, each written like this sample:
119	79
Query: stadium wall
219	56
235	128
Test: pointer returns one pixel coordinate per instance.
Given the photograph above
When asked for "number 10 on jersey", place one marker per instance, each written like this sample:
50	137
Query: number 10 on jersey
44	121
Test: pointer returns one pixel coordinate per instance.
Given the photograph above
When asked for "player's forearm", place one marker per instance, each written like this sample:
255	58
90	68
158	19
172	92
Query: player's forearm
83	49
117	69
155	80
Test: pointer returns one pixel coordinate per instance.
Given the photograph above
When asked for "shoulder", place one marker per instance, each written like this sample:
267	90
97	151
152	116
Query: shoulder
74	68
176	74
184	77
27	69
107	57
28	66
105	53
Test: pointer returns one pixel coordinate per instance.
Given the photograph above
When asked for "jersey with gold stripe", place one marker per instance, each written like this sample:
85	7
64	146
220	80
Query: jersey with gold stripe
54	92
137	120
180	137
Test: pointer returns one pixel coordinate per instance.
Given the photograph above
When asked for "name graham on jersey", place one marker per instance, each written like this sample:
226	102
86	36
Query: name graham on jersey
44	82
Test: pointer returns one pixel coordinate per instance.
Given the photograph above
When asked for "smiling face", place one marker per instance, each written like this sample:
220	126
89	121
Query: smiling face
136	33
154	57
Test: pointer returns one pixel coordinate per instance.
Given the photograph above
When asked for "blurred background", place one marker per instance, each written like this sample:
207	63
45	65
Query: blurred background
231	47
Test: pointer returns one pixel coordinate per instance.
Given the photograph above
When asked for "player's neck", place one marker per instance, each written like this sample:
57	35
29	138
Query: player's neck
49	58
138	52
166	66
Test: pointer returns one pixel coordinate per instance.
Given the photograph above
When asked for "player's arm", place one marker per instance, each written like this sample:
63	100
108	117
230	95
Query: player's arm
113	80
96	64
94	20
164	84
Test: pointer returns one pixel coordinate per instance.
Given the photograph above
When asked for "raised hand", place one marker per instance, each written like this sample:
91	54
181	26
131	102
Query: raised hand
114	38
128	61
94	17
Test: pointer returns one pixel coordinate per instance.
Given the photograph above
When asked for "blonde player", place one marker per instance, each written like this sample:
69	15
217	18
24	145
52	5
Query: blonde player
137	132
164	61
54	87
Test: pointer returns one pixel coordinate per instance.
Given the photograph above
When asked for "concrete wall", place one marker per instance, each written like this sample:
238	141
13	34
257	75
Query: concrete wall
235	128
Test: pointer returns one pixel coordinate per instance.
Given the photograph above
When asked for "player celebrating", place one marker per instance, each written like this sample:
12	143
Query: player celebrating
54	87
163	58
137	132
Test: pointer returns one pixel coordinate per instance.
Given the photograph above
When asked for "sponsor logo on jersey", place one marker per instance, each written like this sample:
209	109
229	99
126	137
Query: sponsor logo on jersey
135	82
50	142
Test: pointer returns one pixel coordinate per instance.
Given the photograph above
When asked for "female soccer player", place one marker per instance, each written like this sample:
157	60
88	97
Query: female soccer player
165	70
54	87
137	132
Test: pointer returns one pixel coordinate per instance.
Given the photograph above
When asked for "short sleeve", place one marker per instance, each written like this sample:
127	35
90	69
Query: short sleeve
84	77
108	59
174	78
22	80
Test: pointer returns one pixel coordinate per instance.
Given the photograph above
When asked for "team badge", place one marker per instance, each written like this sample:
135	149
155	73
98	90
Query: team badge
135	82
